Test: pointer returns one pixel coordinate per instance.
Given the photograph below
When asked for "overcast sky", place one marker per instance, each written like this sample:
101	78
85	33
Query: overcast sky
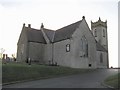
55	14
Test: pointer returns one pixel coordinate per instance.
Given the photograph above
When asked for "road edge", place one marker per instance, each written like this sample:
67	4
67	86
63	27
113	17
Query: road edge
108	86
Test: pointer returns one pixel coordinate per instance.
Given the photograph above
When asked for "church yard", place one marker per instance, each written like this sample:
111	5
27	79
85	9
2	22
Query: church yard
15	72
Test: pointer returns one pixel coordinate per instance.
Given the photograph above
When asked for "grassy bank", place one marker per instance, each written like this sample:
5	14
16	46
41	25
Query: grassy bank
113	81
16	72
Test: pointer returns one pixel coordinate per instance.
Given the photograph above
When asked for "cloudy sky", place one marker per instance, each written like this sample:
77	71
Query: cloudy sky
55	14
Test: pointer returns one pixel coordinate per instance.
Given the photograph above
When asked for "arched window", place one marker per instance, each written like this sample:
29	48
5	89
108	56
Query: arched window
84	46
103	32
86	50
95	33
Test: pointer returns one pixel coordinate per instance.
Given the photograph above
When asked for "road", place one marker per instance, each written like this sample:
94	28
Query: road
85	80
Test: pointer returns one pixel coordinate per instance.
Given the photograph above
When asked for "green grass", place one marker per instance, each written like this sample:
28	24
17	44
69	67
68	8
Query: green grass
16	72
113	81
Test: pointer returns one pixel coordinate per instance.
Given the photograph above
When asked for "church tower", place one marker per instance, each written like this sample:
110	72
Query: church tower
99	30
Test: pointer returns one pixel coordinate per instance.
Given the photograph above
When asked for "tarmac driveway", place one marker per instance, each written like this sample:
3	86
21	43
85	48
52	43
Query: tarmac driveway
86	80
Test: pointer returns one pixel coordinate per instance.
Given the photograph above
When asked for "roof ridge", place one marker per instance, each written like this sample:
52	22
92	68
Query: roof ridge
33	29
48	29
69	25
66	31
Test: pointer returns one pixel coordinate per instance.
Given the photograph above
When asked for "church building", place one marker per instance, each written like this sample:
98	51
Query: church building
75	45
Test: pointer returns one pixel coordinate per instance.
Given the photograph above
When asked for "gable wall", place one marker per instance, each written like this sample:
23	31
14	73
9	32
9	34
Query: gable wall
82	61
22	46
36	52
77	60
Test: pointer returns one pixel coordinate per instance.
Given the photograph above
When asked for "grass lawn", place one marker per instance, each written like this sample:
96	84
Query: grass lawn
113	81
16	72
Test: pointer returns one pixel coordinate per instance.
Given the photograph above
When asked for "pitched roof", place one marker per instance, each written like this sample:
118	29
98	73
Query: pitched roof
65	32
35	35
100	47
50	34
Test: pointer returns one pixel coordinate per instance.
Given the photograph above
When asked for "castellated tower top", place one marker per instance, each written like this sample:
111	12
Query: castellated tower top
98	23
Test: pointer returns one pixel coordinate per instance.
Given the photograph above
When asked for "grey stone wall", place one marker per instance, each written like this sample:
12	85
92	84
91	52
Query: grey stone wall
77	58
60	56
83	30
48	53
102	64
36	52
102	40
22	46
73	58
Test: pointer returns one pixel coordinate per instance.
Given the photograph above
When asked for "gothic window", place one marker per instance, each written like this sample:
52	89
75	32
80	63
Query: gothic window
68	48
86	54
81	44
101	58
95	33
103	33
84	46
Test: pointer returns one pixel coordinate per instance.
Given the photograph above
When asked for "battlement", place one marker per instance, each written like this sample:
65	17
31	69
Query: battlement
98	23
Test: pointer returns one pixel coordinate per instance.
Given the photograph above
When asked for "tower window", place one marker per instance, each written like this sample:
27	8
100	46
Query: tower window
95	33
103	33
101	58
68	48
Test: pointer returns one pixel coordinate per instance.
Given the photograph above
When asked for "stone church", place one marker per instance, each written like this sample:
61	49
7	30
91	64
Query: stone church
75	45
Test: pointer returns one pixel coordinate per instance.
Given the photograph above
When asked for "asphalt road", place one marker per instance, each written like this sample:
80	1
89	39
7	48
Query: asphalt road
86	80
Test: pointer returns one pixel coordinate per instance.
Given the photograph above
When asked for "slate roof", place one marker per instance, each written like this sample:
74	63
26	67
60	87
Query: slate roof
65	32
35	35
50	34
100	47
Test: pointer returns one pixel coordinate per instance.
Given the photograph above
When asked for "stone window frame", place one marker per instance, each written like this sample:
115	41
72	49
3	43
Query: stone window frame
68	48
101	58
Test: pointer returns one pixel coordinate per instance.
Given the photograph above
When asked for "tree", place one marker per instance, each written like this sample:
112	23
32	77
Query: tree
2	50
13	56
